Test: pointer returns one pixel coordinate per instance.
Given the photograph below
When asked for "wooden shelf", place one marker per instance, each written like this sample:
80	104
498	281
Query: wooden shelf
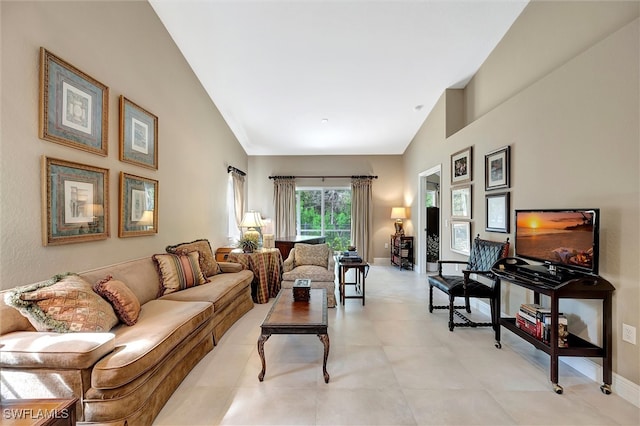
577	286
401	251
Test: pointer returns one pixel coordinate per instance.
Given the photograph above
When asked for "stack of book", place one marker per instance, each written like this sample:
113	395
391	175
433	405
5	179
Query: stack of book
536	321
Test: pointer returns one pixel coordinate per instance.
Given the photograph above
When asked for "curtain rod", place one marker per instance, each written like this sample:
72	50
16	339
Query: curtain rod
324	177
233	169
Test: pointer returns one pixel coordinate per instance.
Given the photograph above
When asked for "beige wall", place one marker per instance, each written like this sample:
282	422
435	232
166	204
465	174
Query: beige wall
126	47
387	189
573	126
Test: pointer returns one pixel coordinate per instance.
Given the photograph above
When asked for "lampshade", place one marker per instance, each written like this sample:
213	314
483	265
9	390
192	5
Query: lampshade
146	219
251	219
398	213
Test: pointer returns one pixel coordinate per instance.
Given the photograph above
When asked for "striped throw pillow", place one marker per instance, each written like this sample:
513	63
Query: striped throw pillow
178	272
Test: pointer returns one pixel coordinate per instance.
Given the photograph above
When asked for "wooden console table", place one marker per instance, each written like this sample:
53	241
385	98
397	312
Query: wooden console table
285	244
578	286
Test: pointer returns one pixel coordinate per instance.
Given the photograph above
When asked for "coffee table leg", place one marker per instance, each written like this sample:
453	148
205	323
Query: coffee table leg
324	338
263	338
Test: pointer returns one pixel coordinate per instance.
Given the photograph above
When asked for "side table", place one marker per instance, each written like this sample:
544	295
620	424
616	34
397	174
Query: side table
362	269
266	265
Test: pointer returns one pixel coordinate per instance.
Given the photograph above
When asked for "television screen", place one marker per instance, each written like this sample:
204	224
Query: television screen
565	238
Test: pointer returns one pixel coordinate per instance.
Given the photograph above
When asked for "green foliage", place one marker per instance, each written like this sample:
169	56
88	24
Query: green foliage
336	218
433	248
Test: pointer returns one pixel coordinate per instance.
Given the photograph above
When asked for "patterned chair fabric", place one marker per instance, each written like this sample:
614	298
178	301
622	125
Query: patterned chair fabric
314	262
476	281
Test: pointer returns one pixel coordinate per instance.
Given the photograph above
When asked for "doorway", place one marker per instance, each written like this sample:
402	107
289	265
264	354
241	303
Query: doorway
429	216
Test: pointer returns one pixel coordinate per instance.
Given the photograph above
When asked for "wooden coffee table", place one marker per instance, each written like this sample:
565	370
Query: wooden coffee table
290	317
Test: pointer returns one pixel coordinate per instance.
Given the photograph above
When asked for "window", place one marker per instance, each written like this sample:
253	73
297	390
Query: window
325	211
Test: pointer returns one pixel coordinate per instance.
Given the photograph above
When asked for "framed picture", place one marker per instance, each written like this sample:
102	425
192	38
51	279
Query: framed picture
138	206
74	107
461	237
75	202
138	135
497	169
461	163
497	206
461	202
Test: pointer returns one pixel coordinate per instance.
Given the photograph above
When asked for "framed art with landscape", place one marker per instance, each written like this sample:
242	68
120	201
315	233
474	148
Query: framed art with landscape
461	202
138	206
75	202
74	107
138	135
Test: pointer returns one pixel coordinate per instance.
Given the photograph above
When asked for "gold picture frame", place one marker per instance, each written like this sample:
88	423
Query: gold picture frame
138	213
138	135
74	107
75	200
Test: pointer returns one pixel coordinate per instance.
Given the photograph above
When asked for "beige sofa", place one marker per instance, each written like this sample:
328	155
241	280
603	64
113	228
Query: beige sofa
125	375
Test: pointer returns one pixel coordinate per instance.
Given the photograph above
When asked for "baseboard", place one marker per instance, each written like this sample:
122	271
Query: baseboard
621	386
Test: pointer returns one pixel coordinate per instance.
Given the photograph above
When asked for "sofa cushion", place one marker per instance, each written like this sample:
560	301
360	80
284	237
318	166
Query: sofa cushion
312	272
78	351
124	302
178	272
311	254
221	290
208	263
65	303
162	326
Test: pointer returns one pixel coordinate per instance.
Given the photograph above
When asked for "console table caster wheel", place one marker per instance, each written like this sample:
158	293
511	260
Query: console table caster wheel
557	389
498	345
606	389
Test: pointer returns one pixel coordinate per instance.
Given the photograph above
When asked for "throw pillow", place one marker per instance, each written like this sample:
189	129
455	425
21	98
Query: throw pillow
178	272
312	254
65	303
208	263
123	300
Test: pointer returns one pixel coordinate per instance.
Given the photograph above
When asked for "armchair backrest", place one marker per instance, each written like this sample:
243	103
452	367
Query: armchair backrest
485	253
312	254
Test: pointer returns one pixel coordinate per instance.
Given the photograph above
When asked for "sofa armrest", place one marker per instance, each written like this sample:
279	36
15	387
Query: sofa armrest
227	267
33	349
289	262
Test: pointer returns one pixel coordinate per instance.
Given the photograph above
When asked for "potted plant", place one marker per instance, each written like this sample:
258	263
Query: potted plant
248	243
433	252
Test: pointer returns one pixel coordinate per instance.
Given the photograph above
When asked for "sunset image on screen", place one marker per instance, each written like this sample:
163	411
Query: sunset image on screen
559	237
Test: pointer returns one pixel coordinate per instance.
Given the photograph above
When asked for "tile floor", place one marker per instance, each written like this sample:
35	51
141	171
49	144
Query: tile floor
391	363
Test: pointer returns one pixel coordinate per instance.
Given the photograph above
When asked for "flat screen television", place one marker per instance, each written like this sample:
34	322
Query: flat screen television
565	238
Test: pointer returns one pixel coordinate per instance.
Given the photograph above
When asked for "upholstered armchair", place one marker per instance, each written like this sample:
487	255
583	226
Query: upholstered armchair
314	262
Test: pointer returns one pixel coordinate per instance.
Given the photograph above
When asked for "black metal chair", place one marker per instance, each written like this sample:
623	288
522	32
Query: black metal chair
484	254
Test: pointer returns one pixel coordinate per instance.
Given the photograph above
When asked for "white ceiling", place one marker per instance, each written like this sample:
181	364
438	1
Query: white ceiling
275	69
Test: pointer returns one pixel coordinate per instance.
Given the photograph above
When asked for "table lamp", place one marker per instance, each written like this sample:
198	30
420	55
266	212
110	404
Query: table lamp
252	220
399	213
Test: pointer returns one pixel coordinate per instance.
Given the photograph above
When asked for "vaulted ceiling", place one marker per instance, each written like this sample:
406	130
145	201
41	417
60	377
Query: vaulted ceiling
332	77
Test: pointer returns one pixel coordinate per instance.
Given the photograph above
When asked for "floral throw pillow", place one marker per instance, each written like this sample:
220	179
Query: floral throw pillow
65	303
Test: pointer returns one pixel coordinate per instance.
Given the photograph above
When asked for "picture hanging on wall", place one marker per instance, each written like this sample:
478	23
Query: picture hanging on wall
75	202
461	164
138	135
497	169
461	202
497	206
74	107
138	206
461	237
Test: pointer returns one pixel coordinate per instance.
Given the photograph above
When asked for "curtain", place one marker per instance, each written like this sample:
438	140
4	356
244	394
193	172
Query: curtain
361	215
284	198
237	205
